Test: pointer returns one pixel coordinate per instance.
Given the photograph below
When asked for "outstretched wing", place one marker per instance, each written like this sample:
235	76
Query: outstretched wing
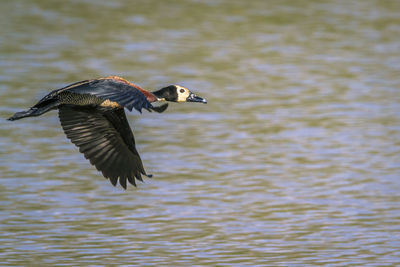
106	140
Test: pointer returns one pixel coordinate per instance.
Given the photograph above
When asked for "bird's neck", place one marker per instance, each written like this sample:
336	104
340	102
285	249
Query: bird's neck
164	93
158	96
159	93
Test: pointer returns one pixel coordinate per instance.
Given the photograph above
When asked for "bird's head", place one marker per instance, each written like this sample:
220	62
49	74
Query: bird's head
177	93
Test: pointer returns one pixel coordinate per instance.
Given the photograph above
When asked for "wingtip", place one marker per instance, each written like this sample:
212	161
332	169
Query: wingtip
122	182
138	109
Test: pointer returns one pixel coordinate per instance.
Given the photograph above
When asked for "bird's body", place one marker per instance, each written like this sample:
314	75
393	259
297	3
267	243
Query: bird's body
92	116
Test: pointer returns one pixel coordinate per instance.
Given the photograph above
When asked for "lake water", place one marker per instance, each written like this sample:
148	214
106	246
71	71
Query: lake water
294	161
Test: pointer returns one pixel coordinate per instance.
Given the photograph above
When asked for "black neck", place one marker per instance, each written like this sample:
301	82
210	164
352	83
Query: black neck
168	93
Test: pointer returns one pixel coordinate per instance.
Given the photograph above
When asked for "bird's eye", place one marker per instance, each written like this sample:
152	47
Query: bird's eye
182	91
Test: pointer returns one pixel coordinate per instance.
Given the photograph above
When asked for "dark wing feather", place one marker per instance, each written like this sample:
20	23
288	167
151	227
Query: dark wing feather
113	90
160	109
105	138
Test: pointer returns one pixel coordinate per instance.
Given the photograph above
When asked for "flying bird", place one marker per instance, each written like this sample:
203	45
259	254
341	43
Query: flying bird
92	116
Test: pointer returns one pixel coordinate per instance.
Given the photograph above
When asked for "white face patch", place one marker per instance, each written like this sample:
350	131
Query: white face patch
183	93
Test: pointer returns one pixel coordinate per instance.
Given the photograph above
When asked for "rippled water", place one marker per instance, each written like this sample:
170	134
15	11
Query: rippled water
294	161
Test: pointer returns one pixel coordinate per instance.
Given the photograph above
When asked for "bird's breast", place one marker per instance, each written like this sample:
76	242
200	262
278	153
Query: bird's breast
86	99
78	99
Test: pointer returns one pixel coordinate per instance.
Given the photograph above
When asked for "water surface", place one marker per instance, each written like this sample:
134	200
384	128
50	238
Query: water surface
294	161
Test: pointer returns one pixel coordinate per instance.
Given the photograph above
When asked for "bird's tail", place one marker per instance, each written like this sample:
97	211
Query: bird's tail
26	113
34	111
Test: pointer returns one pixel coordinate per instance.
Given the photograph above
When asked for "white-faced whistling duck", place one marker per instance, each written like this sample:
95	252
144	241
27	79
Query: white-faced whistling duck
93	118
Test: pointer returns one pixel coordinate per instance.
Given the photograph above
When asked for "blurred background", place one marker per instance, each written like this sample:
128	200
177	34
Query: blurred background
294	160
